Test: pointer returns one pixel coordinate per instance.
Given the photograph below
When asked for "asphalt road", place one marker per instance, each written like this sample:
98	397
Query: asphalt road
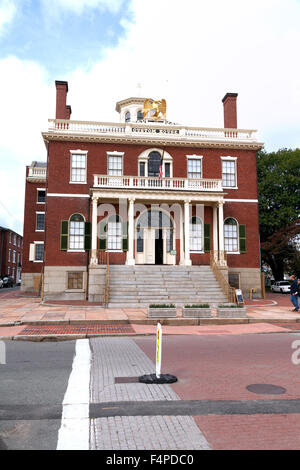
240	391
35	374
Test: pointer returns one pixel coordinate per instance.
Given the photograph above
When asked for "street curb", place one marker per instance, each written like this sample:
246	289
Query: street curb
70	337
164	321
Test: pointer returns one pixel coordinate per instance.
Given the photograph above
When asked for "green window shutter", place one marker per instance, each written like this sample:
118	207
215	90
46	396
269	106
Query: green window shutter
206	238
242	237
103	235
64	235
125	236
87	235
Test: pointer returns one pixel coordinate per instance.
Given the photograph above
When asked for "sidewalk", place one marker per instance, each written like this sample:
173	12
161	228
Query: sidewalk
18	312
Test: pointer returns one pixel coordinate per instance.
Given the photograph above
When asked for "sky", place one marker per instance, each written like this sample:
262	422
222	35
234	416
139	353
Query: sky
189	52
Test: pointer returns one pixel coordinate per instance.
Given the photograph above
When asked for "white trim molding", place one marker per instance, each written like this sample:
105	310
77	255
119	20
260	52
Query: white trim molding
67	195
240	200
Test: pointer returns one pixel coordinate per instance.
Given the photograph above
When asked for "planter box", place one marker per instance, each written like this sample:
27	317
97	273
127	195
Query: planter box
196	312
234	312
162	312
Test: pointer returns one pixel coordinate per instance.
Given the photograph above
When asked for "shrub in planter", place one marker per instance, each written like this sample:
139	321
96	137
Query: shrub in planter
196	311
231	311
161	311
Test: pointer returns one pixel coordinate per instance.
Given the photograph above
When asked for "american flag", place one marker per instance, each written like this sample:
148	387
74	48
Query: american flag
160	173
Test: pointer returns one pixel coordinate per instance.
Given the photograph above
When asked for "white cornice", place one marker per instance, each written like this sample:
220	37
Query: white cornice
145	140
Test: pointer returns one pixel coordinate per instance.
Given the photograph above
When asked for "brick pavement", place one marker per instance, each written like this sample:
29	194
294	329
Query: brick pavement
121	357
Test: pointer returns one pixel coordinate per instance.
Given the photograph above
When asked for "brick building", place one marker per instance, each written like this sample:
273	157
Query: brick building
145	190
11	245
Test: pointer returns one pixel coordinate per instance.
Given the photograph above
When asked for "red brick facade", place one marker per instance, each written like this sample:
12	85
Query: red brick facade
11	245
65	198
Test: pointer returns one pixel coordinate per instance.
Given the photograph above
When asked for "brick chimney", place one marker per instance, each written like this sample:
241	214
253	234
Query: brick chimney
230	116
62	110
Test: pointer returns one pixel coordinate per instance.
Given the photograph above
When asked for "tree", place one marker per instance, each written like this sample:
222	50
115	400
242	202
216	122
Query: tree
279	208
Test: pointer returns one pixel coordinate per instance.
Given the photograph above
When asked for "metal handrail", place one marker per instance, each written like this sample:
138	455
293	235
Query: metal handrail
103	258
215	258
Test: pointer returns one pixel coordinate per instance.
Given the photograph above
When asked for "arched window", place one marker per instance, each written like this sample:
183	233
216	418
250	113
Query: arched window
76	232
114	233
127	117
140	115
231	242
154	161
196	234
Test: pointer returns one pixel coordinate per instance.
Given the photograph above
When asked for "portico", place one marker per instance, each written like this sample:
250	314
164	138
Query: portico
158	220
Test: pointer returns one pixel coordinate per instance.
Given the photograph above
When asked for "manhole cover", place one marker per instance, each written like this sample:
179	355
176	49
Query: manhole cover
266	389
126	380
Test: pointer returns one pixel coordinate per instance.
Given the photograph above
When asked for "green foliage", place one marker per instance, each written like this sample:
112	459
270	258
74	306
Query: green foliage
162	306
231	306
278	189
197	306
279	208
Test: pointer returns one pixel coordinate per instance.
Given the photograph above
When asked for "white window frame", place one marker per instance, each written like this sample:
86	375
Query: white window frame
9	254
118	238
237	252
32	252
37	195
144	157
77	153
14	257
76	250
194	157
202	235
233	160
36	214
115	154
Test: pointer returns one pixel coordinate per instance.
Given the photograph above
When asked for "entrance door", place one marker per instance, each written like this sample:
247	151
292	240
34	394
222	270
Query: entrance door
159	247
149	245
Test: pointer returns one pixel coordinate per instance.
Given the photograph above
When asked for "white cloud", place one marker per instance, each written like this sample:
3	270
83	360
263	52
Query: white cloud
26	99
190	53
79	6
7	13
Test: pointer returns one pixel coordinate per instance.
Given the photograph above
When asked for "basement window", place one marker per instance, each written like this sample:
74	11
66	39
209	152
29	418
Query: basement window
75	280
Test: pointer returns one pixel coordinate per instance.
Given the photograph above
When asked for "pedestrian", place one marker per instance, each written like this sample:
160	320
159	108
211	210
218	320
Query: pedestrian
294	293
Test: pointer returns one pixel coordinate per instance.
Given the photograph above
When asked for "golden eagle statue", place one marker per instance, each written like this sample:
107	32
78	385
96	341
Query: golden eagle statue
155	109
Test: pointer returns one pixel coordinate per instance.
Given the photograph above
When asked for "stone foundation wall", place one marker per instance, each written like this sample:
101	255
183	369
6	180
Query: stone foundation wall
56	283
250	278
97	280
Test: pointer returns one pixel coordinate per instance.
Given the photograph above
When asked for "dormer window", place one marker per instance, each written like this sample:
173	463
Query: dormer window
127	117
140	115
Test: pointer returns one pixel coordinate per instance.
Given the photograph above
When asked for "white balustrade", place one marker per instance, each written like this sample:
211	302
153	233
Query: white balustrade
155	130
36	172
140	182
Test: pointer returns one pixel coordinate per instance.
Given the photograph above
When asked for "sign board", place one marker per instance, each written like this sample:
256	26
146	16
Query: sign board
239	296
173	252
158	349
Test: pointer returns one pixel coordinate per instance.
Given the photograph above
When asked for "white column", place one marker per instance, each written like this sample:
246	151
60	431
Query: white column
94	259
181	228
215	230
221	232
187	260
130	257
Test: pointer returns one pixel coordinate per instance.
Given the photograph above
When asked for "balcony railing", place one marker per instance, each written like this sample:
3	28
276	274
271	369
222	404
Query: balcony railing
154	130
36	172
140	182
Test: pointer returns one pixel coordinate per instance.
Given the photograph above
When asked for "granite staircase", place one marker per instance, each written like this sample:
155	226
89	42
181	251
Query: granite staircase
141	285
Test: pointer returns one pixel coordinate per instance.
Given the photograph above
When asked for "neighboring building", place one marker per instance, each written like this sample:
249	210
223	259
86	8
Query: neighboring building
145	190
11	245
34	225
